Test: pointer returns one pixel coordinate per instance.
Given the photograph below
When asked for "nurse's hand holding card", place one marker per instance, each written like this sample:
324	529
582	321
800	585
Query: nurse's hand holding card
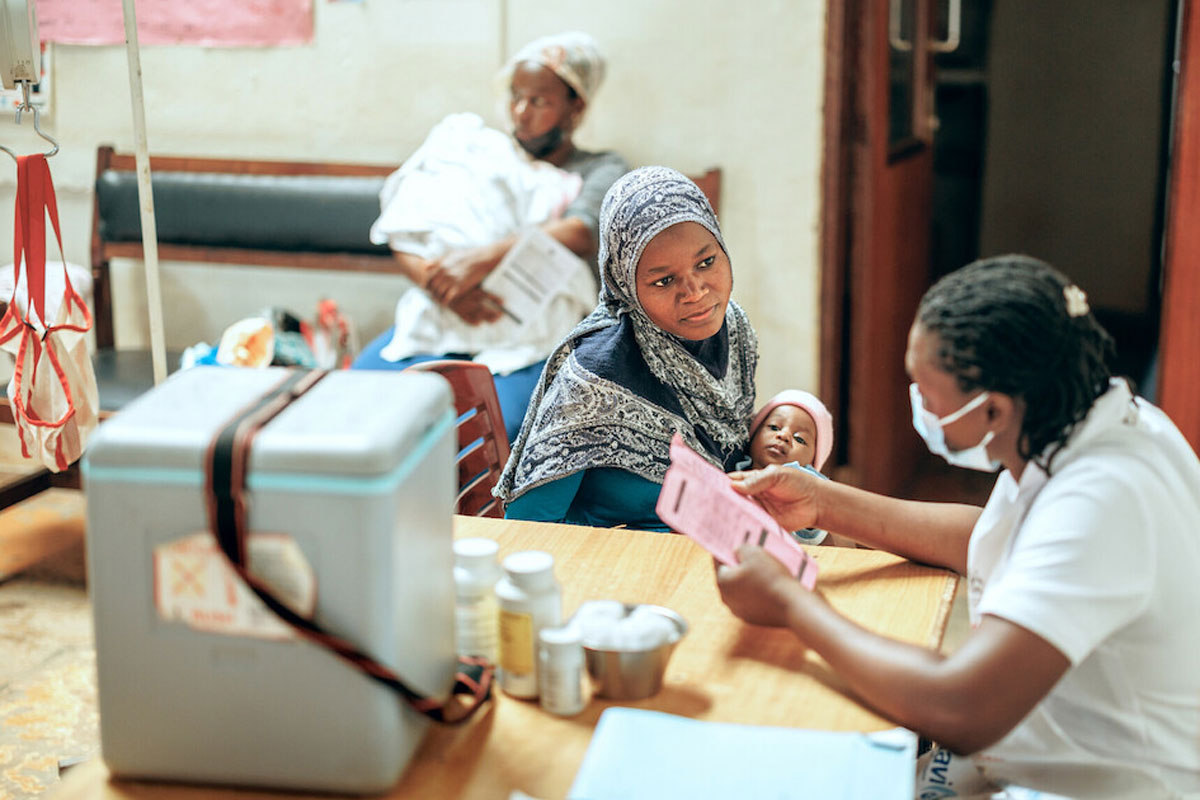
697	500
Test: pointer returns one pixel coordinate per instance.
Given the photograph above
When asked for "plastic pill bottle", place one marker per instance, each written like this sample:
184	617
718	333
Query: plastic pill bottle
561	681
476	613
530	600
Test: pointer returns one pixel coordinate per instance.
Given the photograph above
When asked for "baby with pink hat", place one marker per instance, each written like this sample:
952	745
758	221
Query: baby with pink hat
794	426
794	429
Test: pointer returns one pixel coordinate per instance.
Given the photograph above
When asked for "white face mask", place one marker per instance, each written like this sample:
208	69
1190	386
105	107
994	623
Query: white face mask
929	425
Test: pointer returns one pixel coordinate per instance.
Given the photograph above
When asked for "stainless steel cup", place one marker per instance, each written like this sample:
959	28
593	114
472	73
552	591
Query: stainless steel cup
632	674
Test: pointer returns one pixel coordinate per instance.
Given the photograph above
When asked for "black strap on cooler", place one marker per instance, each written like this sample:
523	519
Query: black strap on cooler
226	462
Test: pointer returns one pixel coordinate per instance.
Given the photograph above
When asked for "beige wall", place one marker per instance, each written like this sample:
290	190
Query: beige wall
692	83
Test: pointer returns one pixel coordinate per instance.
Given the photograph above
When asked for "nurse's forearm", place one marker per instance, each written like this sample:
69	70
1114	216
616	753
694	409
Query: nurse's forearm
949	699
931	533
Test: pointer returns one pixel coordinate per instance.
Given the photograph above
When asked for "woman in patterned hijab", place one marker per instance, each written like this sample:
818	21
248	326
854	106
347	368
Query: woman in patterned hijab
665	350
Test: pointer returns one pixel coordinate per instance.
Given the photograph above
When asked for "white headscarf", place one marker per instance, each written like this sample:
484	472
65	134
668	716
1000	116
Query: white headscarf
572	56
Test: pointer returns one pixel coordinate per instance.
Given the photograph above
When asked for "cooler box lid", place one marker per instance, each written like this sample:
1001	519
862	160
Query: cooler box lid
353	422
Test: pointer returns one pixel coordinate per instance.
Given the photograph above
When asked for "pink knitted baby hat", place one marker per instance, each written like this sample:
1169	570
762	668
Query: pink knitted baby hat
815	408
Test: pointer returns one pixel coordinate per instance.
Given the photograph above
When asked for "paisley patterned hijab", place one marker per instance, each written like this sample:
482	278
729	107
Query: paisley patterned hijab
618	387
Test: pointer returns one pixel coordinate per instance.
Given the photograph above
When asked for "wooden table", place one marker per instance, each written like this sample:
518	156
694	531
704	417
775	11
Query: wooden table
722	670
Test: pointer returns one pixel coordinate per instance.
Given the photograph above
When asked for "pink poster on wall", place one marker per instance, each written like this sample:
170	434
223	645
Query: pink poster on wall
212	23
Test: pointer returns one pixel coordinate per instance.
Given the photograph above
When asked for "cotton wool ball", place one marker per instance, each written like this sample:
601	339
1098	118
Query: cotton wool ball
653	625
643	629
596	616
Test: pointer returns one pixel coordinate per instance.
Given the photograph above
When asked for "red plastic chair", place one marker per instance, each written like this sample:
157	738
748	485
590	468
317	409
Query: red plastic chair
482	441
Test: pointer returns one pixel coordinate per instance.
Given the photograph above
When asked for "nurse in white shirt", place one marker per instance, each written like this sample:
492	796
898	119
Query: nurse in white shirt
1081	676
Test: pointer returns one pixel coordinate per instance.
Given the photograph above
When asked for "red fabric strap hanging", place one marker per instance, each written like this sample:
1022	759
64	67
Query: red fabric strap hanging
54	413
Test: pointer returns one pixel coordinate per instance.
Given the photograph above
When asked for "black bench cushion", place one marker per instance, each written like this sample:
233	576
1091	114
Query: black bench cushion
122	375
314	213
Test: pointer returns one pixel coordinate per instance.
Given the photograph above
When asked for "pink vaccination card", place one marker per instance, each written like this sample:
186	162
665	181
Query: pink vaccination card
697	500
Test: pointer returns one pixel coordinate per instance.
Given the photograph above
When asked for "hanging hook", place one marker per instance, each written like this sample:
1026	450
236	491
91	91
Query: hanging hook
37	128
27	105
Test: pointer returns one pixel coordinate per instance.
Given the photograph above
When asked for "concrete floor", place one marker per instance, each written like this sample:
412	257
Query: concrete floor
47	660
48	712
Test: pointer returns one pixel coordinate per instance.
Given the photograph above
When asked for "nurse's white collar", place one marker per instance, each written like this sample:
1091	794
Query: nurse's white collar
1116	406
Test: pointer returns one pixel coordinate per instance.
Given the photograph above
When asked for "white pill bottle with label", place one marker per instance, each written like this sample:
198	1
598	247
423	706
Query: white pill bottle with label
561	681
476	613
530	599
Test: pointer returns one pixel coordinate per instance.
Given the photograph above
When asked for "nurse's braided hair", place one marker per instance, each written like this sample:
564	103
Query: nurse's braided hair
1016	325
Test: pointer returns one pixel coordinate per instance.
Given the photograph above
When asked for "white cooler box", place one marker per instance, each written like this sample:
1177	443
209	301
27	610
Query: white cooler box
351	490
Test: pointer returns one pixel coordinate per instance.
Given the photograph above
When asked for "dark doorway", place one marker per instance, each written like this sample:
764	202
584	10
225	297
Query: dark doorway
1052	140
1043	131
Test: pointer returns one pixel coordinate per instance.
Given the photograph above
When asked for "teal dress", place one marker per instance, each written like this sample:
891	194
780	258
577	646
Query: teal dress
602	497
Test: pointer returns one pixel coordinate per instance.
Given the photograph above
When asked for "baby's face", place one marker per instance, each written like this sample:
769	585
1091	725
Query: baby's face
787	434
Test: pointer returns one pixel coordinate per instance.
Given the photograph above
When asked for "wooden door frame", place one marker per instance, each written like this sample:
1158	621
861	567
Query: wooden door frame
841	37
865	305
1179	336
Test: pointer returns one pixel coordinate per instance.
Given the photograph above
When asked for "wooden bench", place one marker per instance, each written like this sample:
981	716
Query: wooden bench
179	188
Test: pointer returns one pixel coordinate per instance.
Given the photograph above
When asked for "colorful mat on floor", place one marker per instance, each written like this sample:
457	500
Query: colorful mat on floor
48	718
